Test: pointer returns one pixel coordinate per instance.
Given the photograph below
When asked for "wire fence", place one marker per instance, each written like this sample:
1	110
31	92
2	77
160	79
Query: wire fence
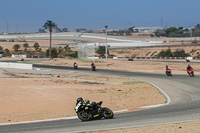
86	52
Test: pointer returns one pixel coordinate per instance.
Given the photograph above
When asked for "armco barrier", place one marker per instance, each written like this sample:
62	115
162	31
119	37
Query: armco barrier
15	65
31	56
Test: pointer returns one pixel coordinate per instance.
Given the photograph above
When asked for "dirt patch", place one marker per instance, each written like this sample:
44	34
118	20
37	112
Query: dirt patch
187	127
32	97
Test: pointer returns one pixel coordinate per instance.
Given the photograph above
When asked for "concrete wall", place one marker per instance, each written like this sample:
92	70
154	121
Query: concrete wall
18	56
15	65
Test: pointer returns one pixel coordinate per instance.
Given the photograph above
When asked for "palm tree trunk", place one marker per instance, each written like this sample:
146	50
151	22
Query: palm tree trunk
50	56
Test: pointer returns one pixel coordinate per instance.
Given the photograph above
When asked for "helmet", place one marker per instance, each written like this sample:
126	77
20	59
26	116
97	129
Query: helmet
80	99
94	103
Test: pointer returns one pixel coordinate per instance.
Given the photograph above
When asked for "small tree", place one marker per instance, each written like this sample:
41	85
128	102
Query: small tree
25	45
64	29
169	53
41	30
180	53
16	47
6	51
162	54
36	46
67	48
54	53
102	50
1	50
60	49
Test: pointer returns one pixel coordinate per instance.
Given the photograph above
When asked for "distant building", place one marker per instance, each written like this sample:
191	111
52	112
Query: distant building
147	29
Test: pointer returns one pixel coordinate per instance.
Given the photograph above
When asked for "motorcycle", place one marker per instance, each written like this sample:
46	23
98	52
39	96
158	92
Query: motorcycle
86	112
93	68
190	72
168	72
75	66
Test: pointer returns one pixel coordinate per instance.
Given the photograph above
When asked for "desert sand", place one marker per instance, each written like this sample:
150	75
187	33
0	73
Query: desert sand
27	97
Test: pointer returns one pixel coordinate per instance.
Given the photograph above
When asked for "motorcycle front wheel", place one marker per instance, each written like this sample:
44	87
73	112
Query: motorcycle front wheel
107	113
83	115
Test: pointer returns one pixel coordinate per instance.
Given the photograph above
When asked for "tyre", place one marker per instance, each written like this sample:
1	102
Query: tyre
107	113
83	115
190	74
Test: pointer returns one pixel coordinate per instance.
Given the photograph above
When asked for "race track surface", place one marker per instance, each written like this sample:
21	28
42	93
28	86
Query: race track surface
184	93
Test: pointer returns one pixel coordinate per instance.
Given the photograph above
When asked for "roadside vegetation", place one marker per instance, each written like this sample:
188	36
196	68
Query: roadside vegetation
179	32
169	53
36	50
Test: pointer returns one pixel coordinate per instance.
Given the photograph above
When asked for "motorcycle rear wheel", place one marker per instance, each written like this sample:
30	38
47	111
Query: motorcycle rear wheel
107	113
83	115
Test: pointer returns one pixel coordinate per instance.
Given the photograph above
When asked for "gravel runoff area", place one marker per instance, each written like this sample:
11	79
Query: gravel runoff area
28	95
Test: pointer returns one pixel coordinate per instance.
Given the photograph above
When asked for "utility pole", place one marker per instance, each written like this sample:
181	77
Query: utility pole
190	29
106	47
7	26
161	22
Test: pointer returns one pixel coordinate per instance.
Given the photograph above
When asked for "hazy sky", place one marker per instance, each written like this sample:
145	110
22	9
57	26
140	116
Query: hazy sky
30	15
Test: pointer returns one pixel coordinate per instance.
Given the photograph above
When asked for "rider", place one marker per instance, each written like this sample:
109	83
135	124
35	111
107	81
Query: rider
93	66
189	67
87	102
75	65
80	100
166	68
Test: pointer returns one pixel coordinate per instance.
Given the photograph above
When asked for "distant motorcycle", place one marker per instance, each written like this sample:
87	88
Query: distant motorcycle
75	66
190	72
87	111
93	68
169	72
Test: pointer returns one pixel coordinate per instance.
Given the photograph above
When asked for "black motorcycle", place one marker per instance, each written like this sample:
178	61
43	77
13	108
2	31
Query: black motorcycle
87	111
93	68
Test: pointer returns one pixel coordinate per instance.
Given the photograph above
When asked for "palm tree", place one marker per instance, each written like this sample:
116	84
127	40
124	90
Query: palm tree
50	25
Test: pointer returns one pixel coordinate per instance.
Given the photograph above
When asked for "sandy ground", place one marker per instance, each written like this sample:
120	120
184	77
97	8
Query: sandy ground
26	97
187	127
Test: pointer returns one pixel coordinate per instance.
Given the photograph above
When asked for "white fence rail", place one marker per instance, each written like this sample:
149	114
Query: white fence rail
15	65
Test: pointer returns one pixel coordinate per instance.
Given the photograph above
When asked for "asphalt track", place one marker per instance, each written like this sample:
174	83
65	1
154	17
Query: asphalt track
184	93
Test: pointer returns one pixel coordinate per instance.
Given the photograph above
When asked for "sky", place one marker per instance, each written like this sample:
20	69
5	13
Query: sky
30	15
